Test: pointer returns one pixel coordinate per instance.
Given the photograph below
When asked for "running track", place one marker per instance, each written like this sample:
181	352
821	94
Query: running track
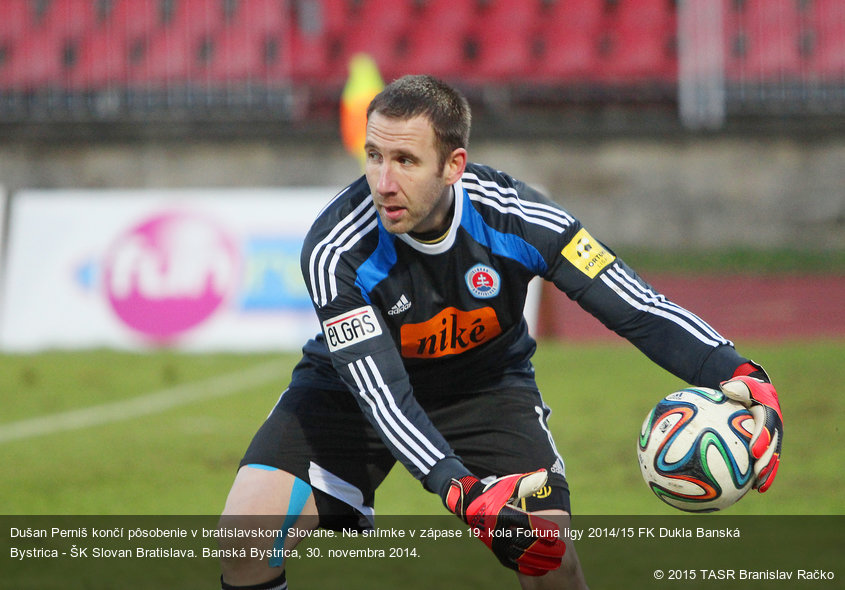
740	307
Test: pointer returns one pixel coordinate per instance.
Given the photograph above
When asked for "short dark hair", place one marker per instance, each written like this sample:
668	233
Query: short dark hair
444	106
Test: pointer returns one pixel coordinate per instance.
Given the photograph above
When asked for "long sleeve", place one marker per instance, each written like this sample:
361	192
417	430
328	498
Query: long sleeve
591	274
671	336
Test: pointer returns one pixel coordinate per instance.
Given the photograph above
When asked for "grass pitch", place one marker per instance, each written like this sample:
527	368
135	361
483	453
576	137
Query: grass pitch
180	460
108	433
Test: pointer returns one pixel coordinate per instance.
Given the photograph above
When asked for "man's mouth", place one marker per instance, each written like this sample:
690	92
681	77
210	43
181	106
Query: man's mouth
394	213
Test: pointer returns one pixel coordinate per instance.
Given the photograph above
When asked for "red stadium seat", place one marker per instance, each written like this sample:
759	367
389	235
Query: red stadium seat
16	19
501	56
565	55
644	15
826	60
520	14
117	47
828	12
437	44
102	62
243	55
566	41
428	51
318	41
327	17
314	57
385	47
251	45
195	18
445	16
71	18
638	43
637	56
828	63
382	16
175	51
502	33
167	58
135	18
16	22
41	52
35	62
764	41
261	16
323	41
571	14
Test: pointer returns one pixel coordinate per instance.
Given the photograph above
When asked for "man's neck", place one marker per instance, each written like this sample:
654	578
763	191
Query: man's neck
436	235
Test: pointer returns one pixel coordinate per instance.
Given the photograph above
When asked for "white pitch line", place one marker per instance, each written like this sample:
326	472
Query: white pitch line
144	405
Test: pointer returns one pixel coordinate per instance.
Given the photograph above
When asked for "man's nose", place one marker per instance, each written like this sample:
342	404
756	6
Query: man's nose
386	182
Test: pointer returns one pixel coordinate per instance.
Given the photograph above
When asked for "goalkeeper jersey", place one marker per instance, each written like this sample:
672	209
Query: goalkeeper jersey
404	321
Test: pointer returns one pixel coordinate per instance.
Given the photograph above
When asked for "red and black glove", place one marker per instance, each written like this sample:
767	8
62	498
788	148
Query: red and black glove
750	386
521	541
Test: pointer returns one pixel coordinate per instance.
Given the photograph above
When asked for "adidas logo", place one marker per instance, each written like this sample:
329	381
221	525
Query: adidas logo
402	305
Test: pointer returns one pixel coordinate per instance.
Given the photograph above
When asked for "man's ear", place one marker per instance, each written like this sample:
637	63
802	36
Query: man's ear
455	165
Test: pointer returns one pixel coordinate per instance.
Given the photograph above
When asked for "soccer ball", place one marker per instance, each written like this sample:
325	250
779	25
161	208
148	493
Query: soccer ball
694	452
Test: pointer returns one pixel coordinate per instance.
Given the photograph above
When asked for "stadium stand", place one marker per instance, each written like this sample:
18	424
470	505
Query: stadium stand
238	55
178	49
447	62
566	41
765	41
436	41
826	50
39	46
36	61
102	60
224	46
252	44
258	16
385	48
638	43
499	41
18	20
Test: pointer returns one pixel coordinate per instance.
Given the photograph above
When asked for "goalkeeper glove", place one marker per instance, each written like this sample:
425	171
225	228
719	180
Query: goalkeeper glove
521	541
750	386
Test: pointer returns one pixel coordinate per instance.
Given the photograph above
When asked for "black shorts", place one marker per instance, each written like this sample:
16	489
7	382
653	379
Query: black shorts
322	437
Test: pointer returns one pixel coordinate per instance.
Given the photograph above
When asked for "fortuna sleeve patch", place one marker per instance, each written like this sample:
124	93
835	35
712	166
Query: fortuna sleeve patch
351	328
587	254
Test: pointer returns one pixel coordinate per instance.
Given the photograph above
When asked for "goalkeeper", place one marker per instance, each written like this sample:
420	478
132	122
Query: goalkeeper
418	272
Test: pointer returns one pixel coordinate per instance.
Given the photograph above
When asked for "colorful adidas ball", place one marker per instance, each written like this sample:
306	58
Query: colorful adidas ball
694	450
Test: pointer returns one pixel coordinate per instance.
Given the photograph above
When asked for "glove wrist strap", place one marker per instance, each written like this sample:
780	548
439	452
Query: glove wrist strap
456	499
752	369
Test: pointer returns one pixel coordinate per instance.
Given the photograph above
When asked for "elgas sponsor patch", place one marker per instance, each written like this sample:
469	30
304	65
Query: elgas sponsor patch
351	328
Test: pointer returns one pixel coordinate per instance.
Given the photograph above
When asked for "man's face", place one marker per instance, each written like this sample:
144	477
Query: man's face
412	192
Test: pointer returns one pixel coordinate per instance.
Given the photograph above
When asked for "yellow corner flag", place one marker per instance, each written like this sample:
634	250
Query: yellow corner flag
363	84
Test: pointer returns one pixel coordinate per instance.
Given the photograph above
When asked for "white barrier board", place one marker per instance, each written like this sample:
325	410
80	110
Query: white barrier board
197	270
2	247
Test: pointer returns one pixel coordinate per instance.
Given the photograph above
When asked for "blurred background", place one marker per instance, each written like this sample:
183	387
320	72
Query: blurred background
160	161
682	128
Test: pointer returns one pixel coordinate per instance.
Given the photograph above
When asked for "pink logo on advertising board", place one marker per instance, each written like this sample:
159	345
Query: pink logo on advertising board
169	273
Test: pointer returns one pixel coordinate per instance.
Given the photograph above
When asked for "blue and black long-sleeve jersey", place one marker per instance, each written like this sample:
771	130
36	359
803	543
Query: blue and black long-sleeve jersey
405	320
